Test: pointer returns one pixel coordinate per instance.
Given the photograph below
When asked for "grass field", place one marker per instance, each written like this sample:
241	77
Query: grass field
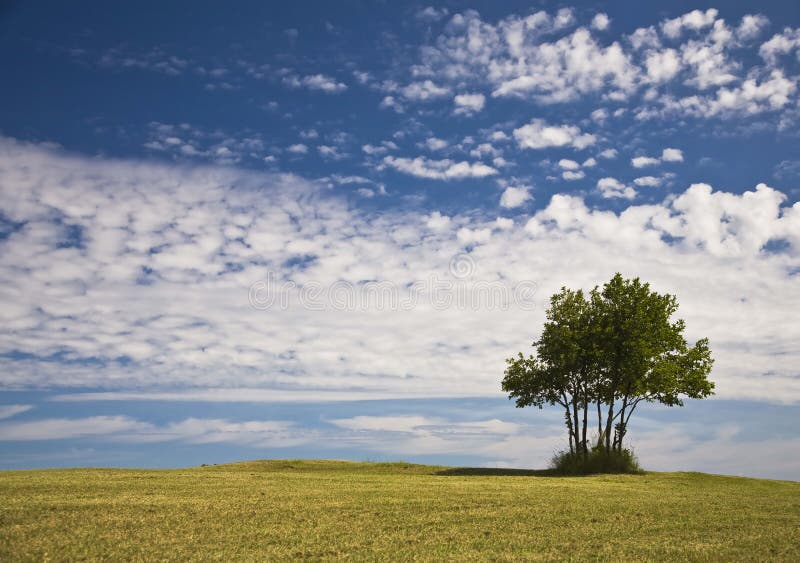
327	509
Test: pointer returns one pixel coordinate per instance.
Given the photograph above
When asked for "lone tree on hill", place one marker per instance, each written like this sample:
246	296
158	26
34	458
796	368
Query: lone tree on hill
605	353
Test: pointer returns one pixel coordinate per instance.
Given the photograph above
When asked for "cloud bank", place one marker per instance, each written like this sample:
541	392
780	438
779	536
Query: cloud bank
129	275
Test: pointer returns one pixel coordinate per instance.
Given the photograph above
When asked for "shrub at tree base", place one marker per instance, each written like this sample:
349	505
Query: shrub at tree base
599	460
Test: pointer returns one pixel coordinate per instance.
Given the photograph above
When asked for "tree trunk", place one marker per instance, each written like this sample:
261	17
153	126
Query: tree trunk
585	419
599	424
568	416
609	422
575	424
619	433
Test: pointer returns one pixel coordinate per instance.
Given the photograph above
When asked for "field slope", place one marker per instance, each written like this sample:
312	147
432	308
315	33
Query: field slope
327	509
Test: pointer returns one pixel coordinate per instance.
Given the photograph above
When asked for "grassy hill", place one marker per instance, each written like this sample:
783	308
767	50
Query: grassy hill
266	510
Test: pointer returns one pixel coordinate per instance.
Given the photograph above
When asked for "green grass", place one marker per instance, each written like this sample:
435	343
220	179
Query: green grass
327	509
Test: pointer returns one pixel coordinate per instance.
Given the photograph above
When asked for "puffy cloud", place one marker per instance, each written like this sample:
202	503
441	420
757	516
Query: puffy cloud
390	102
694	21
484	149
330	152
435	144
601	22
539	58
643	161
751	26
424	91
316	82
672	155
567	164
566	69
752	97
383	148
513	59
667	155
504	223
439	169
662	66
650	181
469	103
731	225
573	174
613	188
514	196
469	236
539	135
430	14
438	222
780	44
298	148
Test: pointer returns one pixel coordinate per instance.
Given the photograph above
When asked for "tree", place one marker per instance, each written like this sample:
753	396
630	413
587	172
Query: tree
613	350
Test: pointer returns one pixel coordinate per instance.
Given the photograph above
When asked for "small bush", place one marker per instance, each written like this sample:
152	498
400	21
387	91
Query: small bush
599	460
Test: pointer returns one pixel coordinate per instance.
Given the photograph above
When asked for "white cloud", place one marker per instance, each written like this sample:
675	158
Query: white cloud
601	22
514	59
539	135
330	152
439	169
672	155
383	148
7	411
438	222
650	181
469	236
608	154
316	82
504	223
751	26
694	21
573	175
484	149
567	164
257	433
298	148
431	14
539	58
514	196
613	188
390	102
467	104
424	91
63	428
663	66
600	115
753	96
643	161
435	144
780	44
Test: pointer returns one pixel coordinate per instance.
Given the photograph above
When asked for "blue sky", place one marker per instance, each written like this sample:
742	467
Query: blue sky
196	200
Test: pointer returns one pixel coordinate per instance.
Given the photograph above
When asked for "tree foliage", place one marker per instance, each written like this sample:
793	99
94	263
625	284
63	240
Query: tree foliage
605	353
